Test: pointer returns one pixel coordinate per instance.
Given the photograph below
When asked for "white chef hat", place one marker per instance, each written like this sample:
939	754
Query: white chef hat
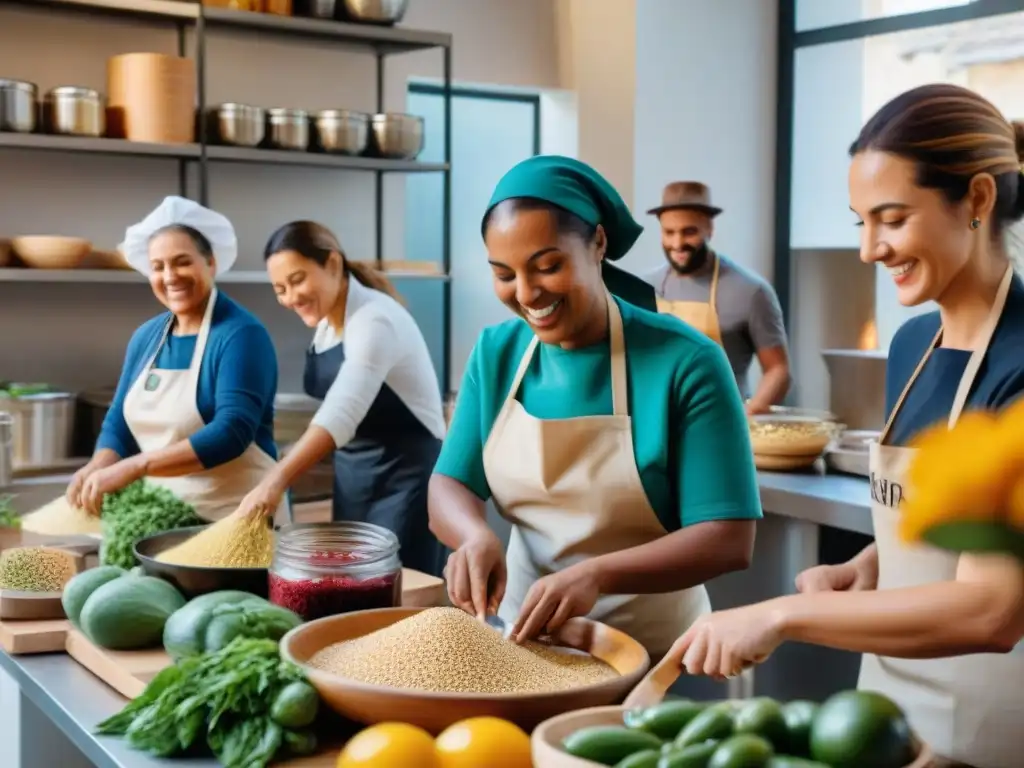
214	226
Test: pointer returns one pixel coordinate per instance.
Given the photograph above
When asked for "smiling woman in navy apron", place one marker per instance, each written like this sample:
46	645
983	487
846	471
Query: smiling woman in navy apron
370	366
936	179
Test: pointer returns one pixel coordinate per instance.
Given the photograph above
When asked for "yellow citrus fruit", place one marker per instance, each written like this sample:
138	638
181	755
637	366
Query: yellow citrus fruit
484	741
390	745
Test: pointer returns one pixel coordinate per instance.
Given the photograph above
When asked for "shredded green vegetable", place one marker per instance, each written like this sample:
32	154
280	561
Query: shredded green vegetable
8	517
224	698
135	512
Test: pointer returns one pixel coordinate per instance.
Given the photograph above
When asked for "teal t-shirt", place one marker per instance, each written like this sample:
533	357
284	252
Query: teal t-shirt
690	435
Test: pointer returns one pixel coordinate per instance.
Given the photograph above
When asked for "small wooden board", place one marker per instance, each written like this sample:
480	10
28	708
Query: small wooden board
27	637
421	590
127	672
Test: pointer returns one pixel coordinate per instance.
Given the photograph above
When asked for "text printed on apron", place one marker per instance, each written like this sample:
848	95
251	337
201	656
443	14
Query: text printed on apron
572	491
968	708
160	410
701	315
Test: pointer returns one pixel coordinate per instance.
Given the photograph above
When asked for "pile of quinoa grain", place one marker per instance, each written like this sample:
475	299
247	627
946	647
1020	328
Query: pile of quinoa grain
445	650
35	569
59	518
232	542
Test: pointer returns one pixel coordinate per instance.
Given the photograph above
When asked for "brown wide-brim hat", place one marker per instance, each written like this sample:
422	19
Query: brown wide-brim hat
689	195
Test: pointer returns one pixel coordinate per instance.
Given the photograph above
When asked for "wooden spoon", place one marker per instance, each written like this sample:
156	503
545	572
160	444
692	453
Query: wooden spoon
655	684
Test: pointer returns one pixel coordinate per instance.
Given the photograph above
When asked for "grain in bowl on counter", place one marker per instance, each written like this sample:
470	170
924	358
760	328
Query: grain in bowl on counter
36	569
445	650
232	542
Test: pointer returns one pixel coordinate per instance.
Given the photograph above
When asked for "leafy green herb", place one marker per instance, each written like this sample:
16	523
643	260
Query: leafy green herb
223	698
8	517
135	512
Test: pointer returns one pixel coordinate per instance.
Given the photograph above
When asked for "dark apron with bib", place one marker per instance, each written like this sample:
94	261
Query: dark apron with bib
381	476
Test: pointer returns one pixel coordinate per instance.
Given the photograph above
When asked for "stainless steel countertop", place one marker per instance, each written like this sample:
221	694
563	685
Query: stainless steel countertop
839	501
76	701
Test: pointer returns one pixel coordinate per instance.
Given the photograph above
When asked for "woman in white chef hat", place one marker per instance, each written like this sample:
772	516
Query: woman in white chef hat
194	406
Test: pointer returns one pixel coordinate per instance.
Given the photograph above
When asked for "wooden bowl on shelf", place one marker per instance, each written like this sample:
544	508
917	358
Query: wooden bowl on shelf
51	251
368	704
547	738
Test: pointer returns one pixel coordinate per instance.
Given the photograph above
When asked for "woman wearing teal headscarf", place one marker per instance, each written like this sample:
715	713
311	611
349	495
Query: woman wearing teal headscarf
611	437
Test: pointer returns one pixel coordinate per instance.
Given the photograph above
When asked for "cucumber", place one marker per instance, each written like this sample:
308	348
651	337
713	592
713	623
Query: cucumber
609	744
667	719
296	705
693	756
713	723
646	759
788	761
129	613
745	750
764	717
185	632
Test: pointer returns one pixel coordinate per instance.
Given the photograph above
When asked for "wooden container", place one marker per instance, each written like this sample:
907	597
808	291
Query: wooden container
369	704
151	97
547	739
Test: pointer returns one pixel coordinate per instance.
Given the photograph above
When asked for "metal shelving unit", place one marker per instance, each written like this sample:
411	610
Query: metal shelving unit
189	14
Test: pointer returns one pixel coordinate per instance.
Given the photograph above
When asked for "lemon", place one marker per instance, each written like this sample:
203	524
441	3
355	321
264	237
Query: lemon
390	745
484	741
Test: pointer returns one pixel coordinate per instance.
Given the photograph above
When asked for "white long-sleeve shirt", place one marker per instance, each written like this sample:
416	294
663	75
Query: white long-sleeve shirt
383	345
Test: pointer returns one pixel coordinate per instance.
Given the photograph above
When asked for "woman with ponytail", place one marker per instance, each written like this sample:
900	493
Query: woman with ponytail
936	184
369	365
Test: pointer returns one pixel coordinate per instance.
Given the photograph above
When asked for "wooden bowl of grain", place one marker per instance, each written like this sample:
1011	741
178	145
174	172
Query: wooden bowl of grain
547	738
433	667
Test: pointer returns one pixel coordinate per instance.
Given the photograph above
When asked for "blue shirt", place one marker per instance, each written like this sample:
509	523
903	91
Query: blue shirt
236	389
999	382
691	442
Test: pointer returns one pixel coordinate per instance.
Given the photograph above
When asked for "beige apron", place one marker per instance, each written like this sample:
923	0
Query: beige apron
160	409
701	315
572	491
970	709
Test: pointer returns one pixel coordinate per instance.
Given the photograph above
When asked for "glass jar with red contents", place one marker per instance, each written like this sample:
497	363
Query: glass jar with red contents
323	569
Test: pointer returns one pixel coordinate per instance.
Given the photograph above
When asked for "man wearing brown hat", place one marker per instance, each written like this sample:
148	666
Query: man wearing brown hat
732	305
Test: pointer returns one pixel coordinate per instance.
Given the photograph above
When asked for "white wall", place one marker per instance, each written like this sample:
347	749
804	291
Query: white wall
74	336
705	110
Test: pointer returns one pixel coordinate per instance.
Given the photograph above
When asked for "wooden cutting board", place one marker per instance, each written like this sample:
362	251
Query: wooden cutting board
421	590
127	672
25	637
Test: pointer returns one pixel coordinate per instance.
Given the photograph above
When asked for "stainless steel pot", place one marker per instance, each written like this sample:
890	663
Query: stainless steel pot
397	136
238	125
376	11
288	128
43	428
6	449
73	111
18	106
342	131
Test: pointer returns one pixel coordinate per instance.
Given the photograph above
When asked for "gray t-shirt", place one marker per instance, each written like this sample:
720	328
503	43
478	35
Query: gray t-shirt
748	309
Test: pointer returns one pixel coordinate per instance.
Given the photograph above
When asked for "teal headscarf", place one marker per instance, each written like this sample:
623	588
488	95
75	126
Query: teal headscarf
576	187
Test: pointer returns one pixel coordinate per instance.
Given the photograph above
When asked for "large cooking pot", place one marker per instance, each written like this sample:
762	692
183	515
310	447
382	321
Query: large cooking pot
42	428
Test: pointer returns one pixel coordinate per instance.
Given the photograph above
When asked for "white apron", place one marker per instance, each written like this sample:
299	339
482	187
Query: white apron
970	709
160	410
572	491
701	315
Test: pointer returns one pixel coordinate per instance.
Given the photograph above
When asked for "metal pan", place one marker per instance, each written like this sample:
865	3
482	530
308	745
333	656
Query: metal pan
193	581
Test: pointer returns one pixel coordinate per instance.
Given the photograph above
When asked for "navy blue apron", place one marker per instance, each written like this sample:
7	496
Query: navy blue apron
381	476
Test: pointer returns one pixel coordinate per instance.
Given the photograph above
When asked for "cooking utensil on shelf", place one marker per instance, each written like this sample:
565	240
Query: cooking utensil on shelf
50	251
69	110
318	9
386	12
366	703
18	109
42	428
151	97
342	131
238	125
288	129
396	136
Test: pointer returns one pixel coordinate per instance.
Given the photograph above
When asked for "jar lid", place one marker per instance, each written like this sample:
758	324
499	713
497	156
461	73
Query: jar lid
74	91
17	85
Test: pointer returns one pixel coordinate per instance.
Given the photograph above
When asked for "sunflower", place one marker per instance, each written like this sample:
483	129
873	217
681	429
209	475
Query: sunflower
966	485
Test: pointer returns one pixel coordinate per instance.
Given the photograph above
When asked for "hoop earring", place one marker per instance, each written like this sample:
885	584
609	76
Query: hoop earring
975	223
